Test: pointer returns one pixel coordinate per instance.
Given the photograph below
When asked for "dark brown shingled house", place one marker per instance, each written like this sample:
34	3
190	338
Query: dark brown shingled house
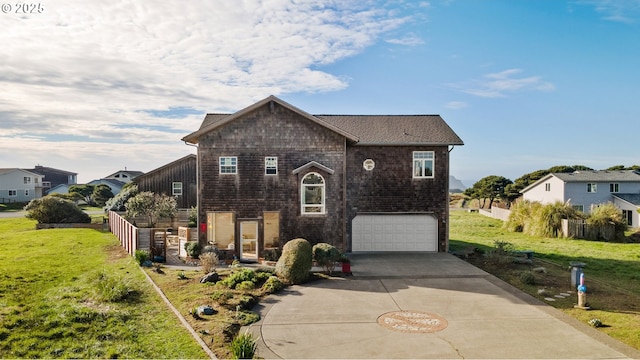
272	172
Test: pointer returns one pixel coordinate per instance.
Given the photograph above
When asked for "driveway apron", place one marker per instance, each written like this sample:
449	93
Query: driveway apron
421	306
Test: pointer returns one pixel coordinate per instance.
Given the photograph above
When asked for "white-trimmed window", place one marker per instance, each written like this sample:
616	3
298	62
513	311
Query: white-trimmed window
312	194
578	207
547	187
27	179
228	164
271	165
26	192
592	187
13	193
176	188
614	187
423	164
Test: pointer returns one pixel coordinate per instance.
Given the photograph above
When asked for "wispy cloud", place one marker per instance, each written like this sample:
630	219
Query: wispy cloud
408	40
503	83
624	11
455	105
142	72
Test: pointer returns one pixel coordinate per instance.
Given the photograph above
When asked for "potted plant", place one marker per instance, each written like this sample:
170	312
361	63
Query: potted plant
346	264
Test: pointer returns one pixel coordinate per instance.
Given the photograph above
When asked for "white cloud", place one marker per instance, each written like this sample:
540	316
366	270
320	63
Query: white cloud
455	105
503	83
409	40
624	11
79	75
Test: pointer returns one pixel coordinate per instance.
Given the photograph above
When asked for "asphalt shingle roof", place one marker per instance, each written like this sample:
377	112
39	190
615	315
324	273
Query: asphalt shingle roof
599	175
630	198
370	129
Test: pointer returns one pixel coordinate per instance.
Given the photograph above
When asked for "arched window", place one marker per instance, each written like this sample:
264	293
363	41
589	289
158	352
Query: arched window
312	196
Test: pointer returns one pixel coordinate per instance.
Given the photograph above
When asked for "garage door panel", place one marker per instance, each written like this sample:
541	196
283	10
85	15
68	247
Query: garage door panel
394	233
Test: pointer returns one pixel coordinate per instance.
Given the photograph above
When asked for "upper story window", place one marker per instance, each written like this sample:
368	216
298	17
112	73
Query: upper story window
423	164
27	179
547	187
176	188
271	165
228	164
614	187
312	194
592	187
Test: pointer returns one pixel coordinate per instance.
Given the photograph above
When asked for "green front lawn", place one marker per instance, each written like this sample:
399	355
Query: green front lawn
612	272
74	293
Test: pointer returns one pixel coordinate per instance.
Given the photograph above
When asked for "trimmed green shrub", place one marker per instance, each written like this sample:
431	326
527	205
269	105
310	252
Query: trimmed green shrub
326	256
192	248
222	297
272	285
54	210
246	285
295	263
238	277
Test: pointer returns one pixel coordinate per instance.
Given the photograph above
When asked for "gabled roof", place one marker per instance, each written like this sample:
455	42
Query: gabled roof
396	129
106	181
10	170
633	199
363	129
313	164
133	173
590	176
217	120
175	162
50	169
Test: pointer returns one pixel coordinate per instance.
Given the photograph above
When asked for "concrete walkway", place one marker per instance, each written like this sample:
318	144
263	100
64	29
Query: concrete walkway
421	306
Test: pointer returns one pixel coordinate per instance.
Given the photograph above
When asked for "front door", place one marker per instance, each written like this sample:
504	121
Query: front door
249	240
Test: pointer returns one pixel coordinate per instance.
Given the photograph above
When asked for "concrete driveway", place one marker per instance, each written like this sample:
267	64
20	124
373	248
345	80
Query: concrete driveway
421	306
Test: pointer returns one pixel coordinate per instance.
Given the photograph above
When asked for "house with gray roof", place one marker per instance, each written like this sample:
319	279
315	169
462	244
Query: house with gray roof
272	172
585	189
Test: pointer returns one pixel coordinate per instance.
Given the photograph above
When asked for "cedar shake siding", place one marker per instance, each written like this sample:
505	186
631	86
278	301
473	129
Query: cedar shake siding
390	186
333	146
160	181
274	131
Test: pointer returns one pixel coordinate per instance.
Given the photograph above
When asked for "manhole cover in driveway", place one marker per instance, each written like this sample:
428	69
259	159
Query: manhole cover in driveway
412	321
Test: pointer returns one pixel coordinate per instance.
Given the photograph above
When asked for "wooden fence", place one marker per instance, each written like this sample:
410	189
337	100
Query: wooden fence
579	229
124	231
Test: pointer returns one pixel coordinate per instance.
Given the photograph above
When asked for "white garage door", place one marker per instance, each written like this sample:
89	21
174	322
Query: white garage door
394	233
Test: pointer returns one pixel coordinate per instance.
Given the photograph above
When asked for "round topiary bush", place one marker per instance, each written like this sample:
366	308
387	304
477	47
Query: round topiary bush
295	263
54	210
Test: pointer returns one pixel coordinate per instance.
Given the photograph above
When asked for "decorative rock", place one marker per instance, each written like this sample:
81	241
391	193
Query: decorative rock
542	291
210	277
541	270
565	294
550	299
559	296
206	310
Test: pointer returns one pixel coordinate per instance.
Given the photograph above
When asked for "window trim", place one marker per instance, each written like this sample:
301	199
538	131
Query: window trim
614	188
423	161
269	165
233	166
547	186
592	188
27	179
26	192
303	187
176	190
12	192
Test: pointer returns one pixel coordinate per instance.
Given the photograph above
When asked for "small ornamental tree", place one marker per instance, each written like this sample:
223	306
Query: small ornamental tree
83	191
54	210
101	194
326	255
152	206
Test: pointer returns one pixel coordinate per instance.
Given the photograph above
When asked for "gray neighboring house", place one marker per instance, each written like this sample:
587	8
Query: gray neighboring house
125	176
588	188
114	185
19	185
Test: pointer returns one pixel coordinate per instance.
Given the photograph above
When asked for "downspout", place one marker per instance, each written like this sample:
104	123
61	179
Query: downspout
447	213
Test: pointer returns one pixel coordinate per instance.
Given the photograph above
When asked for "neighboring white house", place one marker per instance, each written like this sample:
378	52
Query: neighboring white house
17	185
587	188
114	185
124	175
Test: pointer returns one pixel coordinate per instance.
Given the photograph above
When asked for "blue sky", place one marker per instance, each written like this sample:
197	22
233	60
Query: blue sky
94	87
